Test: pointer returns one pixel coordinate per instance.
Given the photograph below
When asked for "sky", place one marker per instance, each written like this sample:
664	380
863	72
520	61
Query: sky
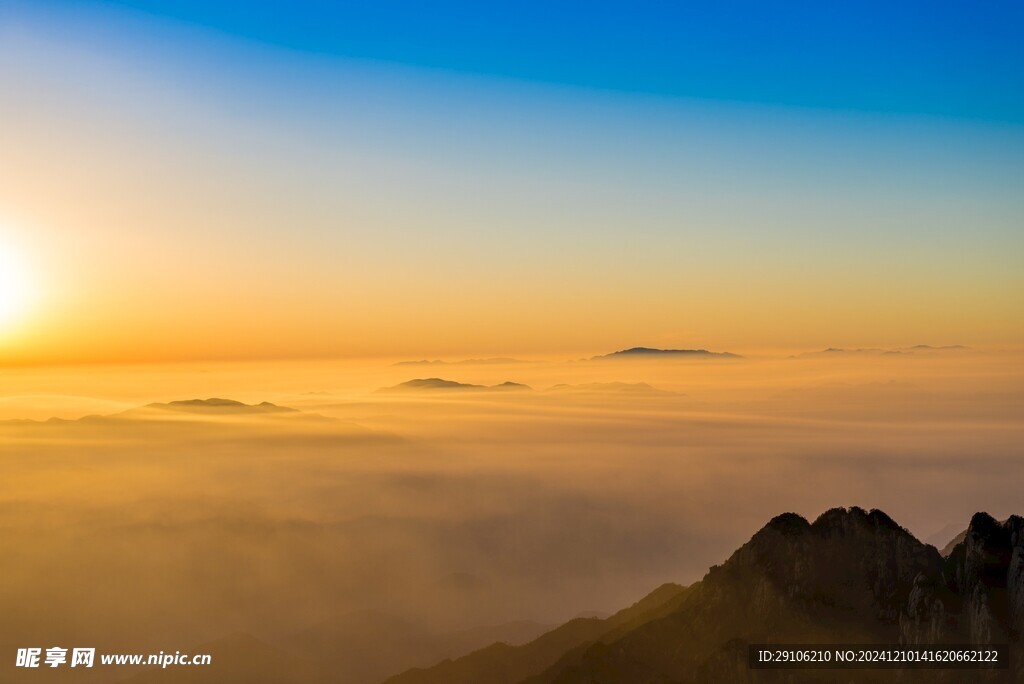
279	201
191	180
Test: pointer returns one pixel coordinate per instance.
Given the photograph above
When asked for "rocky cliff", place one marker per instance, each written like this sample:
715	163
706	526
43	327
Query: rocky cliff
851	576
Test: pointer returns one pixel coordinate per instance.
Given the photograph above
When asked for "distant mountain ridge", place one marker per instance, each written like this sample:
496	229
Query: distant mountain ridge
948	548
649	352
198	407
877	351
851	576
431	384
217	405
500	662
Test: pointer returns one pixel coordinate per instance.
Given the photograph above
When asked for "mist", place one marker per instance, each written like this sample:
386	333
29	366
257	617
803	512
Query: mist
447	511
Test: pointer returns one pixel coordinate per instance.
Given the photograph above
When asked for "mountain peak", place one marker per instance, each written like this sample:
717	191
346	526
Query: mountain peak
788	524
851	576
217	405
431	384
843	517
435	383
648	352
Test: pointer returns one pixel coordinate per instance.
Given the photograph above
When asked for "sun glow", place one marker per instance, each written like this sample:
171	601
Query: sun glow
15	287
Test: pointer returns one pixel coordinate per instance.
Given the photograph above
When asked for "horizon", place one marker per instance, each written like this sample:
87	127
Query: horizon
188	183
467	359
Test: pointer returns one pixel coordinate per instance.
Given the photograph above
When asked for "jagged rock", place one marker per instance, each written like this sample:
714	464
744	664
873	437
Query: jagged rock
851	576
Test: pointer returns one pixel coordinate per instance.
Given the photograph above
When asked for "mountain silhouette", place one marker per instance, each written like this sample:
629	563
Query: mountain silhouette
649	352
433	384
219	406
948	347
876	351
851	576
947	549
500	662
195	407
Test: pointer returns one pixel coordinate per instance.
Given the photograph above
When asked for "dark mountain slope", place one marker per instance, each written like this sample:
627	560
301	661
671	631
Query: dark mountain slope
978	597
851	576
503	664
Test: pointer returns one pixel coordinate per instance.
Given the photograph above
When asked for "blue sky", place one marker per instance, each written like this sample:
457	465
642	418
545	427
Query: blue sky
942	58
834	174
